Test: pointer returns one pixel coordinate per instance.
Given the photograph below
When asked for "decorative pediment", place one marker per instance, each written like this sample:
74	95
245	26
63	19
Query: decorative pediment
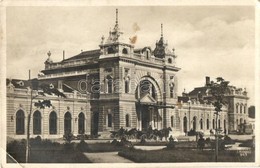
147	98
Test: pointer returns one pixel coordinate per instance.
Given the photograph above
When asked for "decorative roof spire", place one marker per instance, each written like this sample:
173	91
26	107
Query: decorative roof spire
115	33
161	30
116	16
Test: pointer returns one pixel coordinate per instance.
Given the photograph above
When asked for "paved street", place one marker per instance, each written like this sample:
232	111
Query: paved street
106	157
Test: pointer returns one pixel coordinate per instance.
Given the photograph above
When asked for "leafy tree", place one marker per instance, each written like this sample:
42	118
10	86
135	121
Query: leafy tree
218	90
42	90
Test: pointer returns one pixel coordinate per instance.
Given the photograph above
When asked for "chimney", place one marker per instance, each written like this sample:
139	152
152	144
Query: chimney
63	55
207	80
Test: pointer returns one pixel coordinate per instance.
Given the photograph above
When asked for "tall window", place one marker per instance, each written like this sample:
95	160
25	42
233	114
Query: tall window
127	120
225	127
213	123
241	108
53	123
207	124
67	122
109	120
237	108
172	121
218	123
109	84
81	123
245	109
171	91
127	85
194	123
20	122
201	124
36	122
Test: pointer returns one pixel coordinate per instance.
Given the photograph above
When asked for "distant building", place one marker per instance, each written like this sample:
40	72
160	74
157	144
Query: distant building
195	103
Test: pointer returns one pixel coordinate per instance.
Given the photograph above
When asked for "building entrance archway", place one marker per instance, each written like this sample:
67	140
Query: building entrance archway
147	95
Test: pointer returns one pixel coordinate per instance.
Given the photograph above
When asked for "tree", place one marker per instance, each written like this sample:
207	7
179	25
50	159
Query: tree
41	90
218	90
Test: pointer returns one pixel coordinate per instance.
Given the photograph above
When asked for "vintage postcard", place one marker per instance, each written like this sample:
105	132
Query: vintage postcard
138	84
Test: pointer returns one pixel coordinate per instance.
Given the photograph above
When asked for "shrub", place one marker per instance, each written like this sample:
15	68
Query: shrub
171	145
82	146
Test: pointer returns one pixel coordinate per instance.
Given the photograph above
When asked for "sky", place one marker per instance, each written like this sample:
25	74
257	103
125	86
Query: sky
208	40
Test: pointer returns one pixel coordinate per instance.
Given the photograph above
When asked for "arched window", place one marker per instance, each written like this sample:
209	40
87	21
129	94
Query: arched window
125	51
237	108
172	118
127	85
194	123
207	124
110	50
127	120
81	123
53	123
20	122
37	122
67	123
241	108
109	84
185	124
109	120
213	123
201	124
169	60
171	91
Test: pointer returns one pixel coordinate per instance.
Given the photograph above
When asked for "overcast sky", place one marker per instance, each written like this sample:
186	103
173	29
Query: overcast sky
209	41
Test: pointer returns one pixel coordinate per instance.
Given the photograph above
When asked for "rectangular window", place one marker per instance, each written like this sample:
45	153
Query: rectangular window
109	120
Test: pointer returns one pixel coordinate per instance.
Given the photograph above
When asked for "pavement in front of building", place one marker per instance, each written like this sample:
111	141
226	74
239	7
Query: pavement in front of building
106	157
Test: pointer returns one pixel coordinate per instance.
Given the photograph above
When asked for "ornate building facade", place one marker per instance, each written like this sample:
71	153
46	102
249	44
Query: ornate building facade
111	87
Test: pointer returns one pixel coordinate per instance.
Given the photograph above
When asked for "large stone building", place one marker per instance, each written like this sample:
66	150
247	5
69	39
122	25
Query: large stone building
115	86
198	114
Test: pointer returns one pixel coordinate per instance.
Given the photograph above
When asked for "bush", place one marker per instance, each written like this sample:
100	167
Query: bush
171	145
82	146
17	150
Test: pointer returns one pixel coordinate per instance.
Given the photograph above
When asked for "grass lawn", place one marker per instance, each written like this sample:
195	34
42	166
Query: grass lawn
182	155
47	152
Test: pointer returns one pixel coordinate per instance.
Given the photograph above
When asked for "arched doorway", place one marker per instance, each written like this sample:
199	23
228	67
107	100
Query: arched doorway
67	123
185	124
194	124
81	123
147	96
37	122
20	122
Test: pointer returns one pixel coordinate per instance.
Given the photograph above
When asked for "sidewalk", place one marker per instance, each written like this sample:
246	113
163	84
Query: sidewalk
106	157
